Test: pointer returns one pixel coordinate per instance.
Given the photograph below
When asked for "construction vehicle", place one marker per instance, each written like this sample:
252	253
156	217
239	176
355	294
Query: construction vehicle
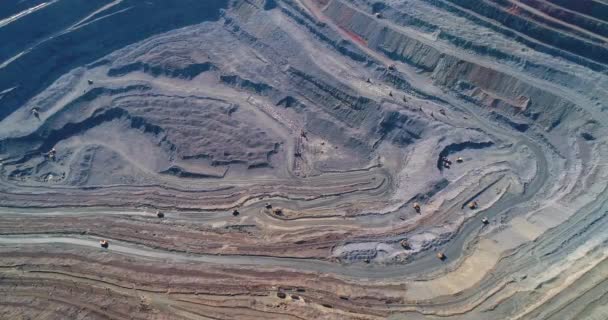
446	162
417	207
392	67
104	244
473	205
268	205
442	111
90	81
278	211
235	212
36	112
51	154
160	214
405	244
485	221
441	256
459	160
378	15
298	147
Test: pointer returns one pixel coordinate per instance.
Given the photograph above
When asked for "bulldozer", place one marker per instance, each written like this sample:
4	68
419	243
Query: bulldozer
104	243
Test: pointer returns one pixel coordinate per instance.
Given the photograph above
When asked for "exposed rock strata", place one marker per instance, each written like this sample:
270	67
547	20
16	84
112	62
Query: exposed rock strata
310	159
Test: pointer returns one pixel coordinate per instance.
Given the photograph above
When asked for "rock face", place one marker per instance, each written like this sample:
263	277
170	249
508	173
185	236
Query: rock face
311	159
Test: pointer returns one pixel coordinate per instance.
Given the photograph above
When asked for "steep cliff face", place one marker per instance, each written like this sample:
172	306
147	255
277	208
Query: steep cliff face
493	86
303	159
563	34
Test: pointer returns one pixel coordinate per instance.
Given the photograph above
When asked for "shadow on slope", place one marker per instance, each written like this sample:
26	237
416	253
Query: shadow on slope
138	20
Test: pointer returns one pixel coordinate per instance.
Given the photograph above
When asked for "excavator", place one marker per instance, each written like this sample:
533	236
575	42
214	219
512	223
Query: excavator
104	243
473	205
36	112
417	207
51	154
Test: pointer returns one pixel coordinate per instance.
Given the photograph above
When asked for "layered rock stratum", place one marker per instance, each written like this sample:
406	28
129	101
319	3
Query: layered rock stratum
312	159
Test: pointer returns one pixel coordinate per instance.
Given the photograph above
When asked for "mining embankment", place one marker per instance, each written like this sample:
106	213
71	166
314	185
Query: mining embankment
303	159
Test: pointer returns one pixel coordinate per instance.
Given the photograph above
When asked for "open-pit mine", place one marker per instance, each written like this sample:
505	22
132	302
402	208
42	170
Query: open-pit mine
304	159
